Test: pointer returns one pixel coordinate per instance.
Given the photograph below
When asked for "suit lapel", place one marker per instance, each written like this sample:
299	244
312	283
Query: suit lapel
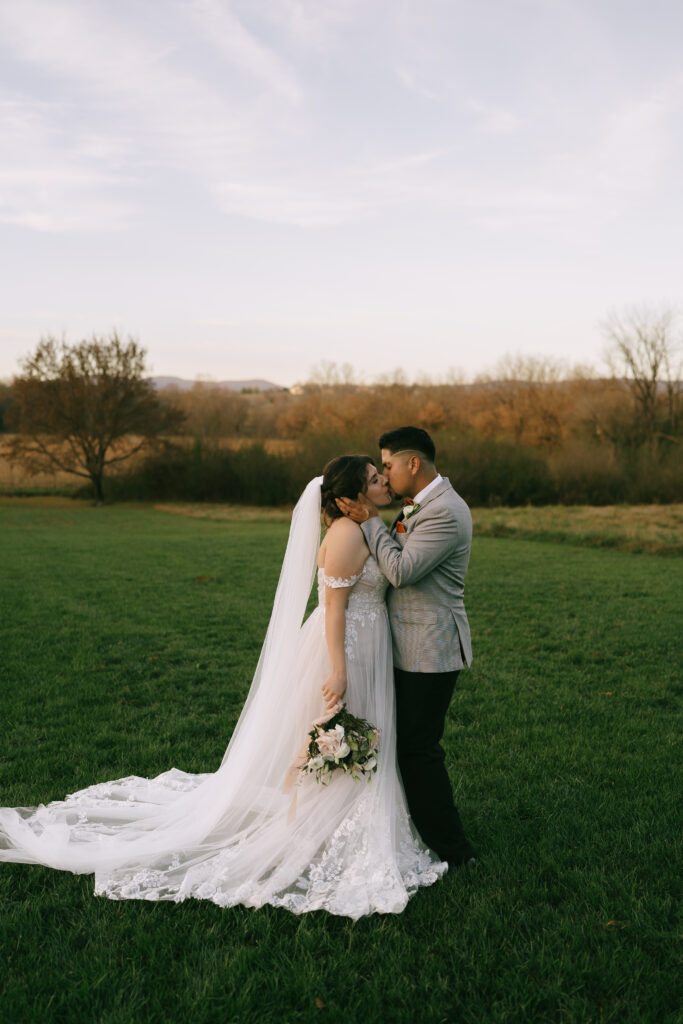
444	486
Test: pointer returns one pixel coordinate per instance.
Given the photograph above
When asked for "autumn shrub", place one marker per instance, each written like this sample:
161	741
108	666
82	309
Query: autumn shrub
207	473
247	475
588	474
657	480
485	471
494	472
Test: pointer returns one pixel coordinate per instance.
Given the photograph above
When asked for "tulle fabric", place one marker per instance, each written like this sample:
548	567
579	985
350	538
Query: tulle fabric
230	836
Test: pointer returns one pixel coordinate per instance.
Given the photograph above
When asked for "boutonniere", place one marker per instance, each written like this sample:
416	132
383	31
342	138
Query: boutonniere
410	510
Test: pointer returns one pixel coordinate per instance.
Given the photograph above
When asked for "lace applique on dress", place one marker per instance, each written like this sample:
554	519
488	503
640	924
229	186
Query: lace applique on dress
365	603
349	877
334	582
360	613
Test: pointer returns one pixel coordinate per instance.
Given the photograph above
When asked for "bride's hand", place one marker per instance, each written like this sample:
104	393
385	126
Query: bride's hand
334	688
360	511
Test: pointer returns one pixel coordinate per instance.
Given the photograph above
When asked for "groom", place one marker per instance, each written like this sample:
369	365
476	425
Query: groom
424	556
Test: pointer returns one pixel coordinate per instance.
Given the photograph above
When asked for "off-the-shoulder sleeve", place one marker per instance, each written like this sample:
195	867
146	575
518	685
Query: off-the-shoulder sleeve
338	581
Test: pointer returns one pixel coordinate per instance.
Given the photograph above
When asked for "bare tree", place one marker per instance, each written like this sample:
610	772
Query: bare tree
212	411
82	408
642	347
329	374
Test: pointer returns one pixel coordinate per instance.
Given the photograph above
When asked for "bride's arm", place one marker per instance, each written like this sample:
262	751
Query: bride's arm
344	556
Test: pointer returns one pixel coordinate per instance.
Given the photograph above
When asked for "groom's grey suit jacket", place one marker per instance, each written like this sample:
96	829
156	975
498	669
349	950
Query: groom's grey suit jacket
426	568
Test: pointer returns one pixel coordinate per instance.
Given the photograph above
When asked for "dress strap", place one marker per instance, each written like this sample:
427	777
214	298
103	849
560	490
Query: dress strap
338	581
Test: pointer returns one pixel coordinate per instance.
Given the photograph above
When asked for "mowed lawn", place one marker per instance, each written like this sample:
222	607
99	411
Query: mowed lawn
128	639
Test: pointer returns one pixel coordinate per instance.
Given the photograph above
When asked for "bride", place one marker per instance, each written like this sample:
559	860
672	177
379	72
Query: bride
235	836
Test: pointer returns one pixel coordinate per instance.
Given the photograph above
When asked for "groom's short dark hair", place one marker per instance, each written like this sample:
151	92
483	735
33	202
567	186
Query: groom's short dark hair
409	439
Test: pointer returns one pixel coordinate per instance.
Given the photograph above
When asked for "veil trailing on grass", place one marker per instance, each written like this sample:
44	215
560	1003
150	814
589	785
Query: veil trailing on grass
226	836
110	824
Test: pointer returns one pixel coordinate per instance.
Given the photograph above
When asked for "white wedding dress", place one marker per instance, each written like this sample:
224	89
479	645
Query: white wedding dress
233	836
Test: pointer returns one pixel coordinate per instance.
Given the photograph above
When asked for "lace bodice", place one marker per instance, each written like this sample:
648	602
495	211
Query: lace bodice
370	581
366	601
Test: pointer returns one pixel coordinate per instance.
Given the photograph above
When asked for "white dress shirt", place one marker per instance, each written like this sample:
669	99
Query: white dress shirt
430	487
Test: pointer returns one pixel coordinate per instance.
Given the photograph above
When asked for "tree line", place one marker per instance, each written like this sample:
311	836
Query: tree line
531	430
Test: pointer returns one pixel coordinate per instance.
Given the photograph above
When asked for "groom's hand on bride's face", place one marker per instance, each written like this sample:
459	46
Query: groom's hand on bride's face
360	511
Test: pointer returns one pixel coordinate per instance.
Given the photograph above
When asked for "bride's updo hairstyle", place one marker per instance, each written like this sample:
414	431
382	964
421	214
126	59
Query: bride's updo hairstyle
343	477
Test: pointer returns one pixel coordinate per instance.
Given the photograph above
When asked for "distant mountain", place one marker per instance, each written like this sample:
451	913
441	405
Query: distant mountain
232	385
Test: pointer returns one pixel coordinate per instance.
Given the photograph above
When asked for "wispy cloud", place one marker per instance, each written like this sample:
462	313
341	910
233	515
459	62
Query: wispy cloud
462	147
225	92
311	23
233	40
639	137
52	183
409	80
494	120
172	117
301	204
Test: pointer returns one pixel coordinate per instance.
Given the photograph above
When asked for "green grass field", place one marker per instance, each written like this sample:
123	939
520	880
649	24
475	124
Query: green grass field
129	637
641	529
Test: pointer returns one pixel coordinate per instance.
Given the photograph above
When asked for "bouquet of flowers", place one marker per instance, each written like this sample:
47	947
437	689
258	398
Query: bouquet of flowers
340	740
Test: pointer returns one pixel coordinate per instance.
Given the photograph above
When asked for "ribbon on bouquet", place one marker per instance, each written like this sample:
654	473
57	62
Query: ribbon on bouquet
292	780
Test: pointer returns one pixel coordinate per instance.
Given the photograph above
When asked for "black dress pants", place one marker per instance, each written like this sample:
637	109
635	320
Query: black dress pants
422	699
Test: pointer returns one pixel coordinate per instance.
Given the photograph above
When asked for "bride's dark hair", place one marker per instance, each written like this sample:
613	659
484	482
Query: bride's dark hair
343	477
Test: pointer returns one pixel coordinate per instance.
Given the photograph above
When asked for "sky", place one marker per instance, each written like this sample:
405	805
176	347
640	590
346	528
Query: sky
252	188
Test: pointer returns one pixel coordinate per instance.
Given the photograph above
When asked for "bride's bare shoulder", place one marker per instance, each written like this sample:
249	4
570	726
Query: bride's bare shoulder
344	545
342	524
344	532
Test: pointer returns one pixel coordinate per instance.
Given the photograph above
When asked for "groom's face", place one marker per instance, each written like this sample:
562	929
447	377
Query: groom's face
397	471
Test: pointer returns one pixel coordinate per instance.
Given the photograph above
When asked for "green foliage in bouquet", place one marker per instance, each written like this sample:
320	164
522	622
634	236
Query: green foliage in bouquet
340	740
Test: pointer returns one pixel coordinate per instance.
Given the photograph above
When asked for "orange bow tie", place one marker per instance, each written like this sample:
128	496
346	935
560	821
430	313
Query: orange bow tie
400	528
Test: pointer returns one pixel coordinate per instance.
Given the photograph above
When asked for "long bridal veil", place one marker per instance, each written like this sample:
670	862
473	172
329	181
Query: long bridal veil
180	817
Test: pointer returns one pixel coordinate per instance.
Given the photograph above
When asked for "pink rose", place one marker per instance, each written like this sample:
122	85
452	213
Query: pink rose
332	744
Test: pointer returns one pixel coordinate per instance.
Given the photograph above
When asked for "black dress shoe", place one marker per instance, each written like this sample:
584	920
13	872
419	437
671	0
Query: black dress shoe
456	865
466	859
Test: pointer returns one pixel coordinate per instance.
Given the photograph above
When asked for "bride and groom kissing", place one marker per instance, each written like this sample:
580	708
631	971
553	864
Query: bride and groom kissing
424	556
389	636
